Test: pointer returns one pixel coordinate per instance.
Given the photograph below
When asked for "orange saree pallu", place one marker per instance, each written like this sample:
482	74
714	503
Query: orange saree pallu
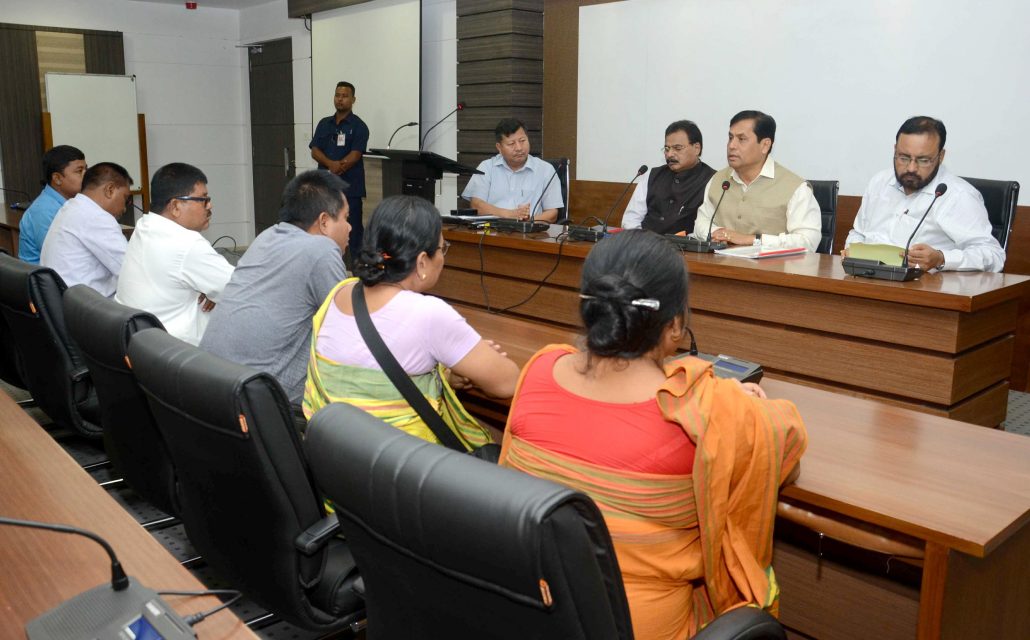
689	546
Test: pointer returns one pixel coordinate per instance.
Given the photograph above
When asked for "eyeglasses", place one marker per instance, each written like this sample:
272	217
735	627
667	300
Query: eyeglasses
676	147
921	161
444	247
200	199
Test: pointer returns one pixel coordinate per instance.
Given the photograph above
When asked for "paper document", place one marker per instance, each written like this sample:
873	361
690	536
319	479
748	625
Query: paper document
757	253
885	253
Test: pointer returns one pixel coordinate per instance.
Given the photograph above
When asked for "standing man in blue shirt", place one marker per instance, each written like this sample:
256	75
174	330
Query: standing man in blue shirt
339	142
63	168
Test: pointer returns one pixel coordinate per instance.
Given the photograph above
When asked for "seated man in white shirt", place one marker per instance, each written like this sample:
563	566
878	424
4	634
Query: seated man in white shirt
515	184
85	244
170	269
956	234
765	203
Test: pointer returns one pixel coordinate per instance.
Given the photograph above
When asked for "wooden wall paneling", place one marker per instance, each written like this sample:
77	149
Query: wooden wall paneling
105	53
469	7
500	70
58	52
496	22
484	141
20	108
486	118
507	45
500	94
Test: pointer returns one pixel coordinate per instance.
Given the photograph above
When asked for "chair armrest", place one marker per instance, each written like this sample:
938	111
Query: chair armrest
359	587
743	623
314	537
79	374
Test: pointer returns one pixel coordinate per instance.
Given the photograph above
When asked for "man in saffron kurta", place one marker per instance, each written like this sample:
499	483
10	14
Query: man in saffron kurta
690	545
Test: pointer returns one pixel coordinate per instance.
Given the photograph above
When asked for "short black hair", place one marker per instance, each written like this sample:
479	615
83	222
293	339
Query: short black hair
924	124
342	83
172	181
401	228
763	123
308	195
688	127
632	265
507	127
57	158
104	172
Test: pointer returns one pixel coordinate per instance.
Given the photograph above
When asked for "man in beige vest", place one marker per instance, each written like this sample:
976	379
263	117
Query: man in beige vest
765	203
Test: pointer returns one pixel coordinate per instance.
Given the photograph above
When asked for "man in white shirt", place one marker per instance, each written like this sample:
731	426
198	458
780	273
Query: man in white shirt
764	203
515	184
956	234
85	244
170	269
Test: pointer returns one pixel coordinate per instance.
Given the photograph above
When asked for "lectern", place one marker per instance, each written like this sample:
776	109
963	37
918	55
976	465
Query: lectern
414	173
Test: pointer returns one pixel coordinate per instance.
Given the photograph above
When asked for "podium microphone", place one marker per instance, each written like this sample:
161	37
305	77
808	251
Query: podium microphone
409	124
938	191
880	271
592	235
686	243
460	107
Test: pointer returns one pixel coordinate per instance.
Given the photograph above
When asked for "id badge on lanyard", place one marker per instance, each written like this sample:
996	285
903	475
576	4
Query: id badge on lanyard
341	139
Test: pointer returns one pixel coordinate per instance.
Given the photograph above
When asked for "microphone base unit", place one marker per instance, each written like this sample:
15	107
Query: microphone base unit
684	243
103	612
587	234
879	271
520	226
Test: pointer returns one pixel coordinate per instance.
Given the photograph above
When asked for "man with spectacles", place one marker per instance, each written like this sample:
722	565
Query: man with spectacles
766	203
513	180
956	234
170	269
667	198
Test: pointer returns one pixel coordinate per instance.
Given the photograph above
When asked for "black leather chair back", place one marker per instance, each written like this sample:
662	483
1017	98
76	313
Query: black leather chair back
826	195
561	166
453	547
245	495
10	361
103	328
51	364
1000	199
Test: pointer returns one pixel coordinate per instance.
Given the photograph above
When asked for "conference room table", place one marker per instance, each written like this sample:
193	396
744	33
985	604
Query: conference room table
943	344
938	509
42	569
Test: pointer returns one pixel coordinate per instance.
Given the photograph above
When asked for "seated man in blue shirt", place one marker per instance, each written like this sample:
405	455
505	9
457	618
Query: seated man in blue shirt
63	168
513	181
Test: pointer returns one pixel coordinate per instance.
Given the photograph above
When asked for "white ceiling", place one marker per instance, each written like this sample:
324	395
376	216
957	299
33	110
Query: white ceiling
213	4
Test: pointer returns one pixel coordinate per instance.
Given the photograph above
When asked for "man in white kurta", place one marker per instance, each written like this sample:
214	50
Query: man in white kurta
170	269
956	234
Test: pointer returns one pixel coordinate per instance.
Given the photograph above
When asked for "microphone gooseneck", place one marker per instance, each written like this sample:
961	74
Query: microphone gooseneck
939	191
119	581
532	212
641	171
725	188
460	107
407	124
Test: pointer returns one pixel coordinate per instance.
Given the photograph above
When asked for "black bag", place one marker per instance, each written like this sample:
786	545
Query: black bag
489	452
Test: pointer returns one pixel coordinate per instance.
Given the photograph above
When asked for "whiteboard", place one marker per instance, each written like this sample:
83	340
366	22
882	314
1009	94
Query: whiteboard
96	114
838	76
377	47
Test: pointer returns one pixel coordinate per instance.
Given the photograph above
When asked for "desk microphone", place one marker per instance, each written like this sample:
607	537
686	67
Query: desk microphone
529	225
408	124
706	245
939	191
460	107
880	271
105	611
19	206
591	235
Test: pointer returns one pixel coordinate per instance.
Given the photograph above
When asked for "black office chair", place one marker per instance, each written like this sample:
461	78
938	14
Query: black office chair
245	495
826	195
1000	199
561	166
51	364
103	328
451	546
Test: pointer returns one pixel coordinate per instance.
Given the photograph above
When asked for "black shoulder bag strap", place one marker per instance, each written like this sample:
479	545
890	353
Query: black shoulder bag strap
396	374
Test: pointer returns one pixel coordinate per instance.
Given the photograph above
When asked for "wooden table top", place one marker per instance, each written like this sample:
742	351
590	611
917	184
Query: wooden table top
958	291
39	481
963	486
